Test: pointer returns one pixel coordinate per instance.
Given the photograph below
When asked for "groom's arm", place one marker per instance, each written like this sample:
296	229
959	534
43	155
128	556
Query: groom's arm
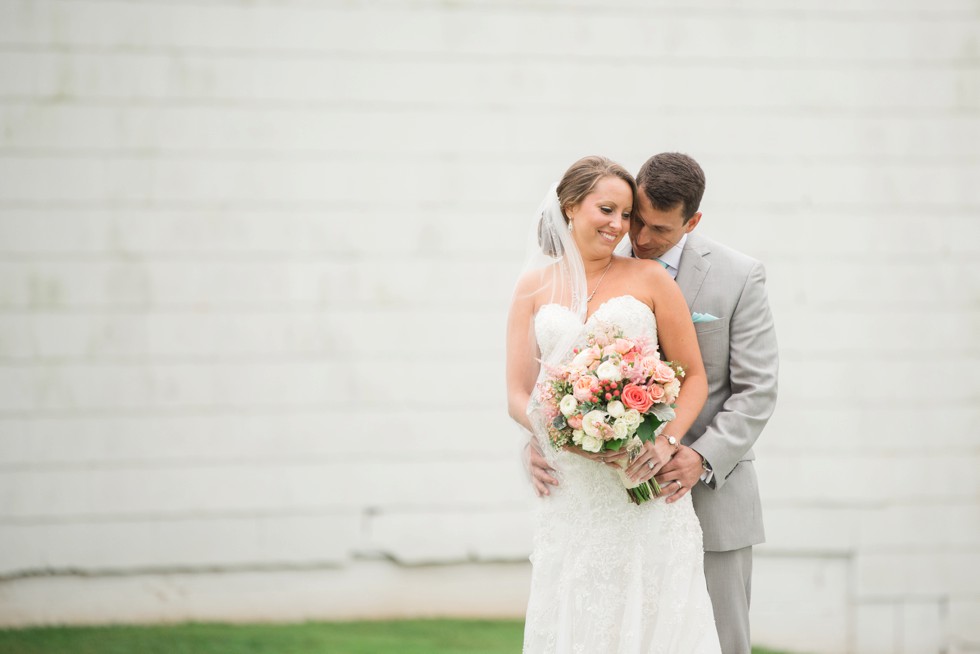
753	371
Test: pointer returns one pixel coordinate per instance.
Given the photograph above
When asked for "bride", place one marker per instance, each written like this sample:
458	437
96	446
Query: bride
607	575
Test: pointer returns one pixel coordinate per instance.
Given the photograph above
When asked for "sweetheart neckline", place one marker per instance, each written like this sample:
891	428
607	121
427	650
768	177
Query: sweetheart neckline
600	307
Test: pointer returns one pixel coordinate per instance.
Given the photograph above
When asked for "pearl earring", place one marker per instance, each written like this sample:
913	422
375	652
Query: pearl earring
571	226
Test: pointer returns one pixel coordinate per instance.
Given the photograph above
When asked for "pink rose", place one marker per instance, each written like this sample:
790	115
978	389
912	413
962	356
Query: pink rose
585	387
656	393
631	357
663	373
575	421
649	364
636	397
623	345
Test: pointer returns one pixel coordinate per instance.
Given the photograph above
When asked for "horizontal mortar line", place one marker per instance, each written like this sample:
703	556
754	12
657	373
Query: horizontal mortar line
454	157
803	206
476	357
251	103
358	512
936	258
249	409
281	310
170	569
410	303
310	460
476	457
318	315
892	452
864	505
894	600
872	355
870	551
766	550
526	58
444	255
350	260
356	357
877	404
205	308
246	412
875	16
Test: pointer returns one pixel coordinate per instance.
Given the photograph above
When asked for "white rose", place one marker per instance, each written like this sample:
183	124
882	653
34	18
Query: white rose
610	371
633	418
622	429
591	443
591	419
577	436
568	405
672	388
615	409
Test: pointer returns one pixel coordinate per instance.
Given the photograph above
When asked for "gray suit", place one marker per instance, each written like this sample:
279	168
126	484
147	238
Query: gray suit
741	360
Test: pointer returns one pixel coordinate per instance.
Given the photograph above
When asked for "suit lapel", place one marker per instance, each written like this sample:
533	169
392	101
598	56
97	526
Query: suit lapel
694	268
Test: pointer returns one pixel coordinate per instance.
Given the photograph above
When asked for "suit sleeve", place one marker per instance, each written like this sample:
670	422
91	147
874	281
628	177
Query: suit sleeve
753	372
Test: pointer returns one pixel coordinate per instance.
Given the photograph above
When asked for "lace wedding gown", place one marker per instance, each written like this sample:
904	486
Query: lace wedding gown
608	575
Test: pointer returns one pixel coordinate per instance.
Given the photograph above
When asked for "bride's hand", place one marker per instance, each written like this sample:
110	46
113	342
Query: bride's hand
650	460
612	459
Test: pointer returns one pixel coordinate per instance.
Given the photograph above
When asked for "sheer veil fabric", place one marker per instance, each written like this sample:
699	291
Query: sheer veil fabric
553	262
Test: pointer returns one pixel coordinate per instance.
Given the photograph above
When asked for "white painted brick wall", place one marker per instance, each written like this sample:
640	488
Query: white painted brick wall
249	250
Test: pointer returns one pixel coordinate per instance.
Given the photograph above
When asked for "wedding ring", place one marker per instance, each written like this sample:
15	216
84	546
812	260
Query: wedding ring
679	484
650	464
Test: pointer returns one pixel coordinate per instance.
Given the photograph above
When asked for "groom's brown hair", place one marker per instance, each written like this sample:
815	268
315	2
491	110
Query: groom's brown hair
672	178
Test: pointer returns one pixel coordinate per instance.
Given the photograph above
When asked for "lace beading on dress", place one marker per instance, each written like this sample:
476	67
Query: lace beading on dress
610	576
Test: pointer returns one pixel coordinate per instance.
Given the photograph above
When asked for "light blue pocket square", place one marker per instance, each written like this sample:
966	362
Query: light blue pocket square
702	317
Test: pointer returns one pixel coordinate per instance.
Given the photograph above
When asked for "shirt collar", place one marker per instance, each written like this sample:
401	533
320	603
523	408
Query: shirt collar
672	257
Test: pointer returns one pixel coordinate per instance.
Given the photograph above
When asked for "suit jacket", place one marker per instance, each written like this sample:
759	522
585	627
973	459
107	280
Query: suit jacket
742	361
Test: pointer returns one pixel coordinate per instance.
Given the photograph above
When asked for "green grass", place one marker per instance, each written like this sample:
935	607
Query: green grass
390	637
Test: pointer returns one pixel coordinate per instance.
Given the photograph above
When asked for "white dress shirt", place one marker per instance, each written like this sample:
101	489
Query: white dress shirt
672	257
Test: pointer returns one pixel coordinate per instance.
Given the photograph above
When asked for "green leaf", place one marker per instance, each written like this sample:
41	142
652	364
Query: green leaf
647	428
615	445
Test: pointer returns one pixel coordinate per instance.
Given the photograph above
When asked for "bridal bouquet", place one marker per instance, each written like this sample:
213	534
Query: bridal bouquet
615	392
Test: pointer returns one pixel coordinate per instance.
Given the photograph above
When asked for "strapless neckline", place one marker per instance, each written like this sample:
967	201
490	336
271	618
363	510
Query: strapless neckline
615	298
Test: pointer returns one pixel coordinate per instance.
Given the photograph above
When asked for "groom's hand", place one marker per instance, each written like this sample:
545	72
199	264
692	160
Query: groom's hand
678	477
540	470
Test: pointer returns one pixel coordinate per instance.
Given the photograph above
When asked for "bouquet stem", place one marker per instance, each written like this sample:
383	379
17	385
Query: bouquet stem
644	492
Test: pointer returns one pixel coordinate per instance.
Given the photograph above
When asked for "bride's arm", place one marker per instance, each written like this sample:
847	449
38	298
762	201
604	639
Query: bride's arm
522	364
679	343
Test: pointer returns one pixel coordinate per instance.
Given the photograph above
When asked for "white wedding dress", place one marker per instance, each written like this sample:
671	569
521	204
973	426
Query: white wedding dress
608	575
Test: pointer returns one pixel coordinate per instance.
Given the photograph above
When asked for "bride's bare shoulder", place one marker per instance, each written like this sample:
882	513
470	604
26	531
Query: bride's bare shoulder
644	267
535	285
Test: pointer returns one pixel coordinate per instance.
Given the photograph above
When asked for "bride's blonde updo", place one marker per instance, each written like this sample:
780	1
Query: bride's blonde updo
582	176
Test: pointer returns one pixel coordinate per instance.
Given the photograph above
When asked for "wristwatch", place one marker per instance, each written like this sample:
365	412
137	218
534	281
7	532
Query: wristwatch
671	441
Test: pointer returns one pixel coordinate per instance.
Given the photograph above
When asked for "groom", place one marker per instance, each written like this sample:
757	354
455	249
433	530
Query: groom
725	291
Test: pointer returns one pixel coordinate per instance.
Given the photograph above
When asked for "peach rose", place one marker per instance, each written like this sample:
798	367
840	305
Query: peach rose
636	397
656	392
623	345
585	387
575	421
